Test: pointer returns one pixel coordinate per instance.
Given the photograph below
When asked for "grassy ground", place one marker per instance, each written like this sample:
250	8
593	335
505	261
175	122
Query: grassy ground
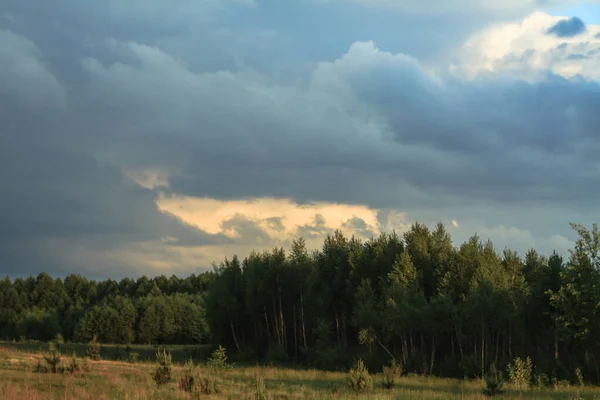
114	380
180	353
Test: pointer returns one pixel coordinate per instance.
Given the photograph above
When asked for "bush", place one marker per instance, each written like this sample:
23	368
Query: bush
93	349
162	374
58	339
579	377
133	357
186	382
542	380
41	368
390	373
73	365
207	384
359	379
493	382
52	358
218	358
519	372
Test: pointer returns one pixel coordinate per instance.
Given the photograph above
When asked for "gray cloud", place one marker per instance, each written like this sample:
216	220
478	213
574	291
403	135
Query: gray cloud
567	27
52	191
317	229
360	227
276	223
235	103
248	231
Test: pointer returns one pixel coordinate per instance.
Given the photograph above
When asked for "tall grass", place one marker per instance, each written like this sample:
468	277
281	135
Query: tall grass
121	380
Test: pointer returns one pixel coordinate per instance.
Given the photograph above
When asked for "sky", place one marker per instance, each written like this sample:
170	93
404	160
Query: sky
157	137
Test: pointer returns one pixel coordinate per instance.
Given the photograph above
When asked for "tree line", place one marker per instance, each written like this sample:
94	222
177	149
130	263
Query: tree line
416	298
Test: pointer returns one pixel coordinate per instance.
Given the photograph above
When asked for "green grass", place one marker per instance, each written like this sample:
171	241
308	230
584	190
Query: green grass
116	380
147	353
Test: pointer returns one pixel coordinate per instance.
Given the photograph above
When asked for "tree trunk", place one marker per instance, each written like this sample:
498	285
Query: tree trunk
458	339
497	346
282	322
344	335
510	339
267	326
482	347
234	337
432	354
276	322
337	330
302	318
295	335
555	346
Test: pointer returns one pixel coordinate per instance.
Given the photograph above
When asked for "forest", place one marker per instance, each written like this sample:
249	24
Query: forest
436	308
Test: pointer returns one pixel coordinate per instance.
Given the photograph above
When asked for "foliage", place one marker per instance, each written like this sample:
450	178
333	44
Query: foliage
133	357
72	365
391	372
579	377
440	308
93	349
218	358
519	372
58	339
186	381
163	371
52	358
493	382
207	383
358	378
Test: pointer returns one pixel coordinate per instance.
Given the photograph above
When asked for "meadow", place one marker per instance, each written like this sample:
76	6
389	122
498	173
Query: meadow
114	380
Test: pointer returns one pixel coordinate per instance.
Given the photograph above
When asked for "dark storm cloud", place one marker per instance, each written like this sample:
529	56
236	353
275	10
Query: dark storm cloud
52	191
241	100
493	140
567	27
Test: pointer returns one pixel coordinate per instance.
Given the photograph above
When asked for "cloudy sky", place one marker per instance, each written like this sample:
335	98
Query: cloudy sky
153	136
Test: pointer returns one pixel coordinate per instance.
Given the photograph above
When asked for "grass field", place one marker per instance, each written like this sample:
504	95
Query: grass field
180	353
114	380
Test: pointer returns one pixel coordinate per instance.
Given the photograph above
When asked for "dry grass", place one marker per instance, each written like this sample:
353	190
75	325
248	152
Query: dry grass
112	380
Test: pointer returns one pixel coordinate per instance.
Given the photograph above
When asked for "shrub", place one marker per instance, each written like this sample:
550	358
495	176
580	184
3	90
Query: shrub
542	380
52	358
493	382
162	374
207	384
58	339
390	373
359	379
186	382
73	365
218	358
519	372
579	377
93	349
133	357
41	368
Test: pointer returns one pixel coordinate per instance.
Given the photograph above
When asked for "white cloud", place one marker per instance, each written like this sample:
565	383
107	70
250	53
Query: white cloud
525	50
